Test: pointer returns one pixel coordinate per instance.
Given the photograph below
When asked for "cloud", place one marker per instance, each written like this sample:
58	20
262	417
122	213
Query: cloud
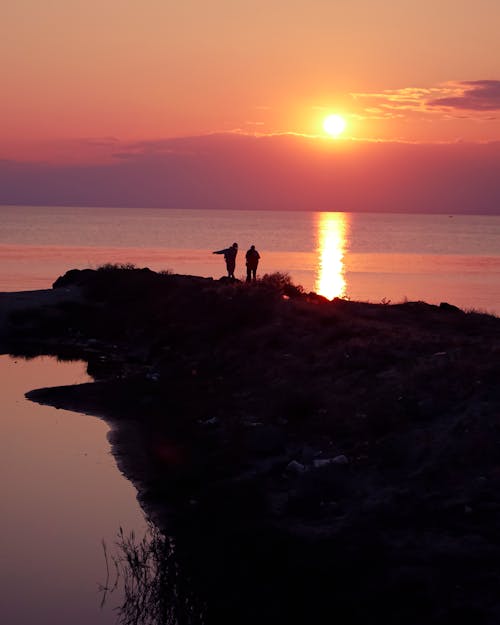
393	102
471	95
277	172
465	98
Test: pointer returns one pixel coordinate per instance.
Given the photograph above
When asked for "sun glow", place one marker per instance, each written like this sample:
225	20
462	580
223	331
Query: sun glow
334	125
331	229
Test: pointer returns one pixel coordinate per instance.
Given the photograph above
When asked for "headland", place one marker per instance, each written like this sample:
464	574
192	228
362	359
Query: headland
315	460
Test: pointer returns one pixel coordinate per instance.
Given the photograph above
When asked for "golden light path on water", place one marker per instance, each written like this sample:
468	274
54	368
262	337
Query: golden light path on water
331	230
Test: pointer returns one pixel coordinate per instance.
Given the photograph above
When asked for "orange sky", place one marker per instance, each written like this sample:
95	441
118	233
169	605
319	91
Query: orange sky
122	70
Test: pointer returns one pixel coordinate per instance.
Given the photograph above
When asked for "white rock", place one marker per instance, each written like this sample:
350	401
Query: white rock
212	421
324	462
295	467
340	459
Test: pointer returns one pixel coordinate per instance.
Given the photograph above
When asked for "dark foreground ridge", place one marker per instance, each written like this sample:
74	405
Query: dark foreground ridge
316	461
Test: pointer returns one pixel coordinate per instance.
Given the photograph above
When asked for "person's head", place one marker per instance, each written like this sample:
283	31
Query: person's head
235	245
252	247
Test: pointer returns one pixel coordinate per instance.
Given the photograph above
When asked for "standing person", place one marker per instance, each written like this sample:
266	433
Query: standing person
230	258
252	258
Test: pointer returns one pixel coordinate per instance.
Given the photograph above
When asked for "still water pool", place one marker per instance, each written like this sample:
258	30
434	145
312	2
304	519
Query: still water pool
61	494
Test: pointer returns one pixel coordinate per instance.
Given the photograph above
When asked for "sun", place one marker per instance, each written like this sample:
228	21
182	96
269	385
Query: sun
334	125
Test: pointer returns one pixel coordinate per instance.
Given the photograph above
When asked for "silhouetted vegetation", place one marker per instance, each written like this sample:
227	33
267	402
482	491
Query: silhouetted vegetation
147	574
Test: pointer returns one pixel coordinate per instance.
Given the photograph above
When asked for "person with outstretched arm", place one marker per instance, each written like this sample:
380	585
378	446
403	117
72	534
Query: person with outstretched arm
230	258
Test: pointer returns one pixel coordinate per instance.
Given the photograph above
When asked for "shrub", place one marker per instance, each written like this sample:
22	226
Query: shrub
281	283
116	267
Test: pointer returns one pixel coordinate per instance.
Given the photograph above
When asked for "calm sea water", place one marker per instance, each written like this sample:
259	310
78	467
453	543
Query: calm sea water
371	257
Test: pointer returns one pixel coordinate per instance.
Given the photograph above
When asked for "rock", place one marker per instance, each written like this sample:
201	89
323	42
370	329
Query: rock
450	307
341	459
323	462
295	467
73	277
212	421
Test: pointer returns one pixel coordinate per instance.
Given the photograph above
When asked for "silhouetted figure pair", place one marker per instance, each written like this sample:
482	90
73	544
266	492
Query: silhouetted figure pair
252	258
230	258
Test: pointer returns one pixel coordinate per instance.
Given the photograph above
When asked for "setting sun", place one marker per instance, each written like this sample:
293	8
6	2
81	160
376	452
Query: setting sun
334	125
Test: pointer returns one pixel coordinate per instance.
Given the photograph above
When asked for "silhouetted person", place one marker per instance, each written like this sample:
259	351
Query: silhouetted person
230	258
252	258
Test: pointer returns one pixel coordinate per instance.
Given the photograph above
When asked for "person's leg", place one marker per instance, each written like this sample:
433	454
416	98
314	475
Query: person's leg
254	273
249	274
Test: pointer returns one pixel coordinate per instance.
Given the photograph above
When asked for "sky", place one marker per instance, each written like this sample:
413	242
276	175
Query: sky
94	88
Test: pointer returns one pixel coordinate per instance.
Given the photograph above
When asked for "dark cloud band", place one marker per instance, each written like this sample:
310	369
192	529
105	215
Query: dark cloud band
477	95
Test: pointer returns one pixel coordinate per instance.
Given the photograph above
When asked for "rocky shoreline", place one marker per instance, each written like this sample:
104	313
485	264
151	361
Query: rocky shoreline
314	460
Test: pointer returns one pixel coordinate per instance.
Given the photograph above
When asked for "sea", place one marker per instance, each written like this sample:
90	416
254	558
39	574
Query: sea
375	257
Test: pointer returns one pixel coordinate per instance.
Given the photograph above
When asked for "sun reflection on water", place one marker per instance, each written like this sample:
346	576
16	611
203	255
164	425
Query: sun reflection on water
331	230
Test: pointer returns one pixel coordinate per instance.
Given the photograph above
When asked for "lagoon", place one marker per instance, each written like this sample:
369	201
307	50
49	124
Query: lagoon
62	494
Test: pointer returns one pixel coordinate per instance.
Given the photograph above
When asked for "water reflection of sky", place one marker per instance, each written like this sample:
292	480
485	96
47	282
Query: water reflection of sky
331	231
61	495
